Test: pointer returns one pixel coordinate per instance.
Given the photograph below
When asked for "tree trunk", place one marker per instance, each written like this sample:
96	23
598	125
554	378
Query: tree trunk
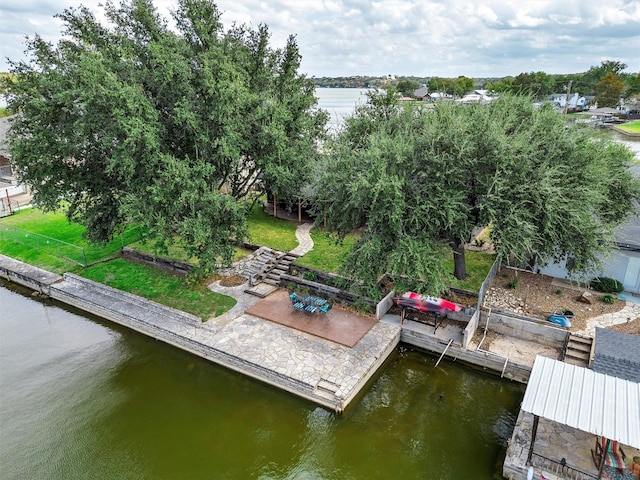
459	263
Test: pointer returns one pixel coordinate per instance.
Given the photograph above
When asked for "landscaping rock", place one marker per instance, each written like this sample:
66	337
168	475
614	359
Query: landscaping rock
586	297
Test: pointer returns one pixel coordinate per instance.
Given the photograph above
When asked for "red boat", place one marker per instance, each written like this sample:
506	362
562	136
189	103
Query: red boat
424	303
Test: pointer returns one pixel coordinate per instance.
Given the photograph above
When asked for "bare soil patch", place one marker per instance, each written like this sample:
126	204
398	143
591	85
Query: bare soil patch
539	296
232	281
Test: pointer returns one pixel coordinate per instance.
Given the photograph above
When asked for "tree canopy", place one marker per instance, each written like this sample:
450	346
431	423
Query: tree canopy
609	90
417	181
129	121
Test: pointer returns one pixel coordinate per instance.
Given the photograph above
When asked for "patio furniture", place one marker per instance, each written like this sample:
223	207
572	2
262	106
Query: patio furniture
310	303
611	452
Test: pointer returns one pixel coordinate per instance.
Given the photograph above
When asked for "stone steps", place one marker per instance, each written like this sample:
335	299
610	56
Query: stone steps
267	268
578	350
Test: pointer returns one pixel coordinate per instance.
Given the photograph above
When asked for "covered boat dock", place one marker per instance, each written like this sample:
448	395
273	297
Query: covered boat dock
565	412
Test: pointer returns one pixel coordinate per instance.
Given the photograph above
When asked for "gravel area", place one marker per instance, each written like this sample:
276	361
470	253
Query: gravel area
540	295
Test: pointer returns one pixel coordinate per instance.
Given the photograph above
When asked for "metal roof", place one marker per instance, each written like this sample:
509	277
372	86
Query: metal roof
583	399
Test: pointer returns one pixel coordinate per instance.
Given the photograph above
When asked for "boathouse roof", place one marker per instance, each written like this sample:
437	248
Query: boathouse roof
584	399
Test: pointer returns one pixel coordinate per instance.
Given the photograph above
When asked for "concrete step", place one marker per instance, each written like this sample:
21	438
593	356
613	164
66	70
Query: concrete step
577	355
582	340
582	347
327	386
575	361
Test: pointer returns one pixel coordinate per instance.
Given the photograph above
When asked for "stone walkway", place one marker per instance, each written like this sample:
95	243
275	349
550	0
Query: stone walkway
629	312
305	243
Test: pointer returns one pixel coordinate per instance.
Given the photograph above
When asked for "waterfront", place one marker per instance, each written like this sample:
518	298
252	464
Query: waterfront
340	103
84	398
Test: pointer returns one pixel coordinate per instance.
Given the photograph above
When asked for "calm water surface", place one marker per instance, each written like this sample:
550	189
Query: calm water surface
340	103
81	398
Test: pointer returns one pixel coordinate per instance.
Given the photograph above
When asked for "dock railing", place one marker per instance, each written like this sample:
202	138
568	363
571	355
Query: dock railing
559	469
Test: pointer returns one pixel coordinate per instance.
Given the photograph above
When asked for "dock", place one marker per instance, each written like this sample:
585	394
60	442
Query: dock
326	370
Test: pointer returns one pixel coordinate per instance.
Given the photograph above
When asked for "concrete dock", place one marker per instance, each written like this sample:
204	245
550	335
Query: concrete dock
317	369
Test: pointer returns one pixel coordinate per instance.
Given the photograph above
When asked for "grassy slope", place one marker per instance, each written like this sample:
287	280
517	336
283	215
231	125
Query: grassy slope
145	281
161	287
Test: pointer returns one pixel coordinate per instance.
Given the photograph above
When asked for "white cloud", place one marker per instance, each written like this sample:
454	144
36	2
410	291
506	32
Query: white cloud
406	37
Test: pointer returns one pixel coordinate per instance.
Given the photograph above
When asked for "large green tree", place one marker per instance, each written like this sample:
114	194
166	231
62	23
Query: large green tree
129	121
417	181
609	90
537	84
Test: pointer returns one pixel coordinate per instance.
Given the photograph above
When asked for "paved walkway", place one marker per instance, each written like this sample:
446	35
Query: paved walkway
305	243
629	312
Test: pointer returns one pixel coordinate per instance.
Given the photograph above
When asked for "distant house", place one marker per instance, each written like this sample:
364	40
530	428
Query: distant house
422	93
8	184
477	96
5	157
573	103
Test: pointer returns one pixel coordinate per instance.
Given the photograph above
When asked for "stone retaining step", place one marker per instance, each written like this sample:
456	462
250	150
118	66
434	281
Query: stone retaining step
579	339
582	347
577	355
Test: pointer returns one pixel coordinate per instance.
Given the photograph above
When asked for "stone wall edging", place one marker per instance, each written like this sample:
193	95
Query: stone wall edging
483	360
133	299
202	350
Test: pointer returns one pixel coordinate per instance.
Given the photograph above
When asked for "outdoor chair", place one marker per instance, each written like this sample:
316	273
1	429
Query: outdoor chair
613	456
326	307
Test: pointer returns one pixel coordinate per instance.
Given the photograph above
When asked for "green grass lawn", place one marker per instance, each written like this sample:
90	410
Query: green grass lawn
159	286
138	279
268	231
631	127
478	266
56	237
326	256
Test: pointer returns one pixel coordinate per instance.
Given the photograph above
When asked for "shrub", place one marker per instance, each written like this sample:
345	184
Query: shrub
606	285
609	299
308	275
513	284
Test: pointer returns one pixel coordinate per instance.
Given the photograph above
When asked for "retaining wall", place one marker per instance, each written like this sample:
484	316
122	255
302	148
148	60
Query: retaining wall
482	360
26	275
525	328
136	321
181	268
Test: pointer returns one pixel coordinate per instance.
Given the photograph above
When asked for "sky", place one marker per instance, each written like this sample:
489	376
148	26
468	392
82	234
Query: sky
423	38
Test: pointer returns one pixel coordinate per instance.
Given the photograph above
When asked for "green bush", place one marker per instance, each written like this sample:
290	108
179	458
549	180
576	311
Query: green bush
513	284
308	275
606	285
609	299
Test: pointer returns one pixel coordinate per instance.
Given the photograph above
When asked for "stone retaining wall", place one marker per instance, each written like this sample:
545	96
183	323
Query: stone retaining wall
525	328
478	359
181	268
26	275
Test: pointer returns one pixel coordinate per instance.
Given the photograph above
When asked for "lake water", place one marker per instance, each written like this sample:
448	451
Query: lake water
340	103
82	398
